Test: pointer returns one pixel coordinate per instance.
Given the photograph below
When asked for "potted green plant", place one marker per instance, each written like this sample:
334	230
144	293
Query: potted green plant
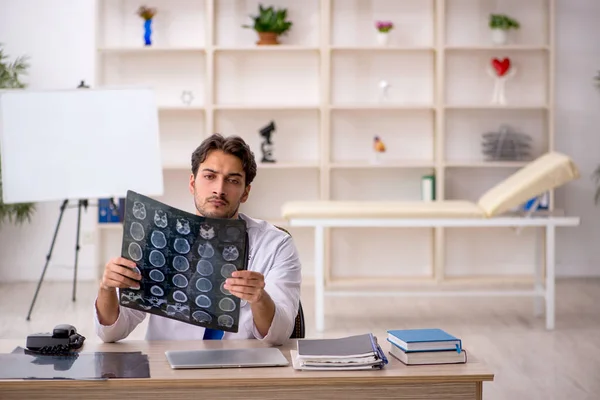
500	24
269	24
10	78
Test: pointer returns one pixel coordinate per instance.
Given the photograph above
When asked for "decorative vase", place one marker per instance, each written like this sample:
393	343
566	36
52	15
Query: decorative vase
499	36
383	38
148	32
267	38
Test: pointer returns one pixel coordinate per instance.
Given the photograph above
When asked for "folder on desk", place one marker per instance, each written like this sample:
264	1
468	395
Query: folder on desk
23	364
348	353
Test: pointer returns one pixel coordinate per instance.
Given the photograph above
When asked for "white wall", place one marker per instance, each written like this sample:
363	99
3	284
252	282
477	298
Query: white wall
577	124
59	37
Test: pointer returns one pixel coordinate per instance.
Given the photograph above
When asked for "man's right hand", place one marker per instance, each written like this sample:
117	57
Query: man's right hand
120	273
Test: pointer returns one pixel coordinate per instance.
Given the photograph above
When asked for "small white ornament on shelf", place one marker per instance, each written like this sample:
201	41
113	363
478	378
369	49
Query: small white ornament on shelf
187	97
501	72
384	88
383	32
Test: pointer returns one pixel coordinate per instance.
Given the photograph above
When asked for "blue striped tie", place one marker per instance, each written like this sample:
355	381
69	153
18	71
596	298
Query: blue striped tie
213	334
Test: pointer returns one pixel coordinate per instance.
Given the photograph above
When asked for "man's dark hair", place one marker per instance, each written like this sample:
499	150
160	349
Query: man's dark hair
233	145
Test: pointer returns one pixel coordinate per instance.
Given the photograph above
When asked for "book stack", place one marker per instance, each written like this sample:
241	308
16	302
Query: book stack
357	352
426	346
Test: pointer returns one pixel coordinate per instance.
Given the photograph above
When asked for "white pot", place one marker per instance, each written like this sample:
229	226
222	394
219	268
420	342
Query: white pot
383	38
499	36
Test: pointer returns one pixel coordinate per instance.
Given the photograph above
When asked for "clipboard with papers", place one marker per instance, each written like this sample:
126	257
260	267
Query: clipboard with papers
358	352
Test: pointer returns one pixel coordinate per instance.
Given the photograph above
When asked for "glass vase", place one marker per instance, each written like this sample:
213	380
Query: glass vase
148	32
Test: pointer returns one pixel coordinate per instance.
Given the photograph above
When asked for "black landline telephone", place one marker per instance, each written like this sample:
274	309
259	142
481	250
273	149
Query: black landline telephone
63	339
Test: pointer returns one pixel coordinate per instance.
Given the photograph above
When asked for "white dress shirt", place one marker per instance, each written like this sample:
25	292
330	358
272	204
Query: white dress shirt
273	253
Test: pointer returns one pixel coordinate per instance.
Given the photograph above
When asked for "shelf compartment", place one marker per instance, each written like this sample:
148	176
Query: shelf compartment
168	76
468	83
369	253
482	252
355	79
180	134
151	49
266	106
485	164
382	106
256	49
467	21
389	48
465	183
464	129
383	164
177	23
283	78
353	22
230	15
273	187
176	193
290	126
377	184
506	47
407	135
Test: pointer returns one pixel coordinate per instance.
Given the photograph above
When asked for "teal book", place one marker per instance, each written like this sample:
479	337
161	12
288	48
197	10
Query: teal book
424	340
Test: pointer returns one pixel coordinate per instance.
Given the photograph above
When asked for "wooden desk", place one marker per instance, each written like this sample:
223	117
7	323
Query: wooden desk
395	381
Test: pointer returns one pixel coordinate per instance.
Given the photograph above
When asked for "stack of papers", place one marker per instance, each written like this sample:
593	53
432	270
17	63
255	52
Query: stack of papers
349	353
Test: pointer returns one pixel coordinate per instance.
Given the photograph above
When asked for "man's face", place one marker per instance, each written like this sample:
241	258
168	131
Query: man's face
219	186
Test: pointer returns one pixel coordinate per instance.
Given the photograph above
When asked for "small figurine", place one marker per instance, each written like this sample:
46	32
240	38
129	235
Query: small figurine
501	73
384	87
187	97
378	147
267	146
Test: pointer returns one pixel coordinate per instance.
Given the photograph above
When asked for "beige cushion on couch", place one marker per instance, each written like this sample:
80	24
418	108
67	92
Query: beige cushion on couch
545	173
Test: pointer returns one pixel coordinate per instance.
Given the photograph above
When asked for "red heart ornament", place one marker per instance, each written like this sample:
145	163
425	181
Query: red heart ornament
501	67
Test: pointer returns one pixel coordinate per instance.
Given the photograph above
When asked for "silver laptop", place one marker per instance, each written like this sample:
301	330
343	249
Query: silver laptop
227	358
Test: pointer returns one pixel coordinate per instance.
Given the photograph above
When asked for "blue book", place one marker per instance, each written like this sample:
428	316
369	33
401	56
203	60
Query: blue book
424	340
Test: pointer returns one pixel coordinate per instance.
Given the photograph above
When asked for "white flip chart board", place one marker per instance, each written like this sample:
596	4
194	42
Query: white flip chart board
79	144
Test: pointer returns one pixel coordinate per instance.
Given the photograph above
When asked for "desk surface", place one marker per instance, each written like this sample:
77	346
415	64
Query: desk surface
395	373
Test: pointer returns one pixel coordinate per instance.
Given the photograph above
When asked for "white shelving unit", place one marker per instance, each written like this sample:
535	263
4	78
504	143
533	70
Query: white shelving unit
321	87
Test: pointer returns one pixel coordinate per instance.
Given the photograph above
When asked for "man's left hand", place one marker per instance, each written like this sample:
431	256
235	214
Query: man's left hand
247	285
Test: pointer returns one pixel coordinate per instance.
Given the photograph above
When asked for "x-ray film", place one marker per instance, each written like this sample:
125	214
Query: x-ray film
184	260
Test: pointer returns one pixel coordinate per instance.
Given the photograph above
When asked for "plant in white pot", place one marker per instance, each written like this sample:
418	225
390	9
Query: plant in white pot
383	31
10	73
500	24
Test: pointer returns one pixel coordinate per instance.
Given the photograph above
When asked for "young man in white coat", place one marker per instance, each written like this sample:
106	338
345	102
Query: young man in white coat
222	172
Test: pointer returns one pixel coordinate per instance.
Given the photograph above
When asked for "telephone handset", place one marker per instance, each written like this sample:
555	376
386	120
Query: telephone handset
63	339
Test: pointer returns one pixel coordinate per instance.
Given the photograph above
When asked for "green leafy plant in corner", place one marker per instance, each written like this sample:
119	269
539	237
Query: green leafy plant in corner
270	20
503	21
10	78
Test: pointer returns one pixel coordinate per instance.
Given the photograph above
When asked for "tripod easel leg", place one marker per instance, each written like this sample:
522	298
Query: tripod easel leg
62	211
81	203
